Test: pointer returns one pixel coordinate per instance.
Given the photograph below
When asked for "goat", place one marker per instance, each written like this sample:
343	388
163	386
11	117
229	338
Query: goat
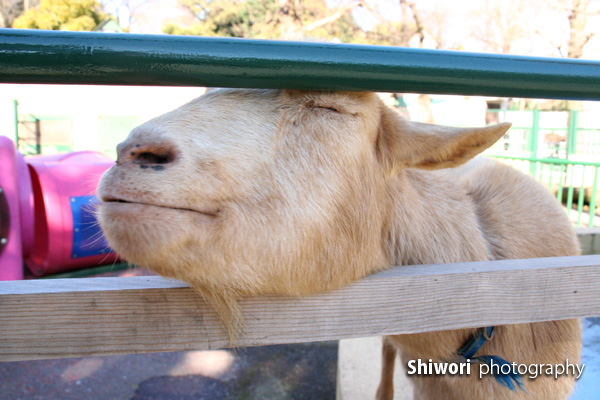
256	192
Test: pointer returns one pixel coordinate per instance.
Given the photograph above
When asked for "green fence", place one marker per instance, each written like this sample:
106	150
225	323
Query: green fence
544	134
559	150
51	134
43	134
574	183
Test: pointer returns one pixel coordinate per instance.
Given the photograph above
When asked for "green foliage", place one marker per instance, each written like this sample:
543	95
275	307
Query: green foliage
227	18
260	19
291	19
65	15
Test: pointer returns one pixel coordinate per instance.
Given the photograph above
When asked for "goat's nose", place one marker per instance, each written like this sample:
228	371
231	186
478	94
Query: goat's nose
145	154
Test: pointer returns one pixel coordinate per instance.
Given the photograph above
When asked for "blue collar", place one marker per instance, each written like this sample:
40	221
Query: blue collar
472	346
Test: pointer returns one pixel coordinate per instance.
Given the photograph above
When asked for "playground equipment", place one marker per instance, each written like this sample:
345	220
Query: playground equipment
47	212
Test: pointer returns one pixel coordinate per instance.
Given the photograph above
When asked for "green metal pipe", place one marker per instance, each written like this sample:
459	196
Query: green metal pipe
570	190
16	122
159	60
563	178
580	199
593	199
533	140
551	167
572	133
558	161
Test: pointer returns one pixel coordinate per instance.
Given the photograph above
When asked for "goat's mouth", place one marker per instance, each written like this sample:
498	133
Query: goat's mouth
117	202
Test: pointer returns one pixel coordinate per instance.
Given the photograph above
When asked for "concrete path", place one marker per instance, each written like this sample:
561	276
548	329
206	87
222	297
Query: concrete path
302	371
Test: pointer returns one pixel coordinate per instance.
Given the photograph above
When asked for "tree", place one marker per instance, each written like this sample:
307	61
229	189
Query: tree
265	19
128	11
9	11
515	26
67	15
500	25
306	19
578	13
395	26
438	21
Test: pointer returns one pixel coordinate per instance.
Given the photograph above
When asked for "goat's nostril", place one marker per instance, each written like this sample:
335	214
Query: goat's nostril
155	155
147	157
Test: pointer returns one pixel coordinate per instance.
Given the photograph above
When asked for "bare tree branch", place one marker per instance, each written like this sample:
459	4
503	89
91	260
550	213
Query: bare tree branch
9	11
420	29
588	37
331	18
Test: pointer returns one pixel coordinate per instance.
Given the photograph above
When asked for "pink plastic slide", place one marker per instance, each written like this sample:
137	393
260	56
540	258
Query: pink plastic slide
49	214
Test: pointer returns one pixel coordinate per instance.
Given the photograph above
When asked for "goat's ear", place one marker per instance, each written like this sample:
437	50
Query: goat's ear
406	144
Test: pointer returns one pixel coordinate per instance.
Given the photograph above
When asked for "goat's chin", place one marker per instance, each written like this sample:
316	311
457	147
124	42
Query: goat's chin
146	235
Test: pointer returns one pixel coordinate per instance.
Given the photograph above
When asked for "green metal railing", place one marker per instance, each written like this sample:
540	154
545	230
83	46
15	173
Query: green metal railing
580	142
29	134
161	60
16	120
574	183
568	166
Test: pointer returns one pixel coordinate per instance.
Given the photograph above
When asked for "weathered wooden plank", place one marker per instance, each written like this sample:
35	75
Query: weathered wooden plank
99	316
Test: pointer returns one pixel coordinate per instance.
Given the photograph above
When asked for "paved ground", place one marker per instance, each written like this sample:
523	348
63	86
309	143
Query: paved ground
303	371
283	372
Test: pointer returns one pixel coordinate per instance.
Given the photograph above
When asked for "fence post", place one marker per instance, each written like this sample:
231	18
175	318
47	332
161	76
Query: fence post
16	122
572	133
592	210
532	141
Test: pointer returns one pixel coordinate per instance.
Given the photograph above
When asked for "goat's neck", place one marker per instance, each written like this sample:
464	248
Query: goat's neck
433	221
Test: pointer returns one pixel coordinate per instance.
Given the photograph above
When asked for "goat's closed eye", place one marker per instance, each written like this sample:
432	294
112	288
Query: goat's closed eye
328	108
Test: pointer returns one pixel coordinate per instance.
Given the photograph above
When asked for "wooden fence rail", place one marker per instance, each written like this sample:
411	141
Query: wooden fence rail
42	319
